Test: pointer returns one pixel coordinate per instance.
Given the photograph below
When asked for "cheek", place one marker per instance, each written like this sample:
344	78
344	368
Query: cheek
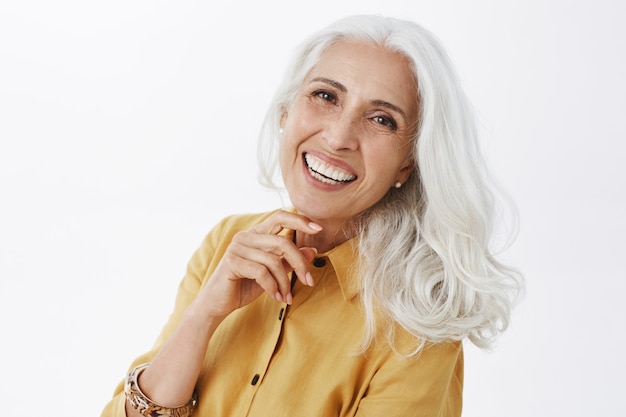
382	161
285	154
302	118
288	153
298	128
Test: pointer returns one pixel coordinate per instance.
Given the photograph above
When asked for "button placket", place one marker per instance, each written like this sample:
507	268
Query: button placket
257	377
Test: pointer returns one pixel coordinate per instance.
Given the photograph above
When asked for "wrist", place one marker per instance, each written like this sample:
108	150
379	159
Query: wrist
197	315
149	408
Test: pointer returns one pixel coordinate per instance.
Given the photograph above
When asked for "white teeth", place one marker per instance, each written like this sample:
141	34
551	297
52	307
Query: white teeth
326	173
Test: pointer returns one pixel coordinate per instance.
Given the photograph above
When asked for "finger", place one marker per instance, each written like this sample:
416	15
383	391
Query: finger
282	219
294	259
262	265
309	254
250	270
301	265
276	244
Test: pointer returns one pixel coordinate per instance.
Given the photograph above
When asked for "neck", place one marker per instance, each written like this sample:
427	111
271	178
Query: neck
325	240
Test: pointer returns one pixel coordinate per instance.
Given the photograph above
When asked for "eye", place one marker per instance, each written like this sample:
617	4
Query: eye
385	121
325	95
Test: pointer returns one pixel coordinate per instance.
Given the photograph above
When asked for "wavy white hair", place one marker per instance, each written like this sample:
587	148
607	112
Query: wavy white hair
426	258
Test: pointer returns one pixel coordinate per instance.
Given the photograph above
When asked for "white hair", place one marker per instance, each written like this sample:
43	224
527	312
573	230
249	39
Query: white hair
426	260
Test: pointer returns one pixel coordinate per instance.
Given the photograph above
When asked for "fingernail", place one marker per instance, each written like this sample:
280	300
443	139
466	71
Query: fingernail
278	297
309	279
289	299
315	226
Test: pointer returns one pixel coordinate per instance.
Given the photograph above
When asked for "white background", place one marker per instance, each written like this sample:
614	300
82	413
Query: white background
128	128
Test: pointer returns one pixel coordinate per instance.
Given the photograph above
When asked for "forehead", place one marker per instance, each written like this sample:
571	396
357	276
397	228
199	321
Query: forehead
362	50
371	69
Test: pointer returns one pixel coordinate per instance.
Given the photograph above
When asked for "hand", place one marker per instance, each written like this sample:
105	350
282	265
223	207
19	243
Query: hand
259	260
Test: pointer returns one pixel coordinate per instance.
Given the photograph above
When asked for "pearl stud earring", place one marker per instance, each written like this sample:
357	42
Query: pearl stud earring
398	184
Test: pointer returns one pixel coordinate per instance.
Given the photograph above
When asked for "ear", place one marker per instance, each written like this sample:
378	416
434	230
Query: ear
283	118
406	169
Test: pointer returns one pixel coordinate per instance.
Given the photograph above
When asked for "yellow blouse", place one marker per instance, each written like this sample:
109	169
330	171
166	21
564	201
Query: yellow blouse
269	359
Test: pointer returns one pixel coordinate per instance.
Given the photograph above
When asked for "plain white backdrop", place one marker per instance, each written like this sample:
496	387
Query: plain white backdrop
128	129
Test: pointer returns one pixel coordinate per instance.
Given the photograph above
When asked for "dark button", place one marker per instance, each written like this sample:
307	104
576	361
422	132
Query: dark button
280	315
255	379
319	262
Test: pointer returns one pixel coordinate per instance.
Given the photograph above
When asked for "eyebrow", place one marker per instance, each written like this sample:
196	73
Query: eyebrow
343	89
333	83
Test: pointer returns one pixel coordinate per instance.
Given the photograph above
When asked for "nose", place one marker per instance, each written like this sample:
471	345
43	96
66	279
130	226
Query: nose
341	132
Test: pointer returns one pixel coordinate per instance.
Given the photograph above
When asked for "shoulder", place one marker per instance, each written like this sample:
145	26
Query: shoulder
407	346
216	241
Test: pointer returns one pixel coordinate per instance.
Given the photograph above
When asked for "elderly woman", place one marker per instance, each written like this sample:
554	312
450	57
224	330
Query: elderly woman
355	300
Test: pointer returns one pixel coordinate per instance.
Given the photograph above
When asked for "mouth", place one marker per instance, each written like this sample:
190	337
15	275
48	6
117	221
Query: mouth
326	173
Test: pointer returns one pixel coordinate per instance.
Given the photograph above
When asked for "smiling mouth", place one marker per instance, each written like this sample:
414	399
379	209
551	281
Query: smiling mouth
327	173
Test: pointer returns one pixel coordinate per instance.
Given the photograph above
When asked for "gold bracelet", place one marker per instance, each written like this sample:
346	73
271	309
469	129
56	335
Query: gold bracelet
140	402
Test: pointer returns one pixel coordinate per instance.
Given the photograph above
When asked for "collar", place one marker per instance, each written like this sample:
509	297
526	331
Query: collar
344	260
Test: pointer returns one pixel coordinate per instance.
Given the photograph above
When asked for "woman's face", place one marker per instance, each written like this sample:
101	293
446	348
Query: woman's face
348	134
